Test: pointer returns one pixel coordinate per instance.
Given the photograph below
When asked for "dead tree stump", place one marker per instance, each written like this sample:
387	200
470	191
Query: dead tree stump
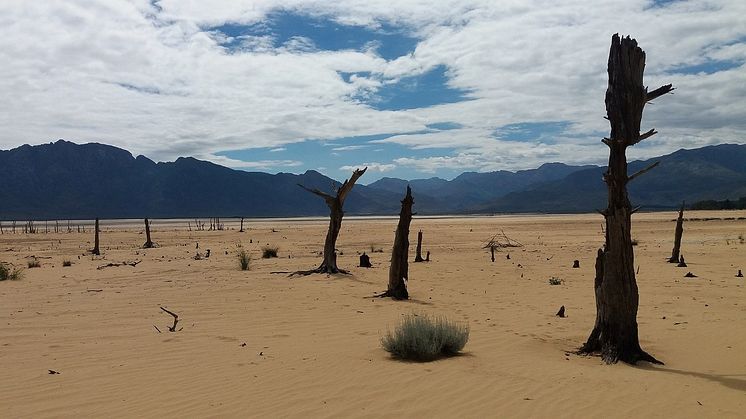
399	270
365	261
148	243
739	274
677	236
615	333
241	230
95	249
335	204
418	255
576	264
427	256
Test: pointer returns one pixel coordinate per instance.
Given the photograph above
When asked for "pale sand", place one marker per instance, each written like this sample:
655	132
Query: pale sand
312	343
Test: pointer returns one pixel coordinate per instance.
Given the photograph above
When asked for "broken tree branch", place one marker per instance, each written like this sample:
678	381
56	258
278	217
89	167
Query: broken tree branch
659	92
643	171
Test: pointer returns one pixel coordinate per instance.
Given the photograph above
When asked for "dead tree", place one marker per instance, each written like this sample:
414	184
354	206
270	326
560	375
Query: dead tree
399	270
677	237
500	241
365	261
95	250
418	256
148	243
335	204
241	230
614	334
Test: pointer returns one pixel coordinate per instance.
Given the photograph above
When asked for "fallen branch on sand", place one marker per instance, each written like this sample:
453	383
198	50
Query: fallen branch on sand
176	321
114	264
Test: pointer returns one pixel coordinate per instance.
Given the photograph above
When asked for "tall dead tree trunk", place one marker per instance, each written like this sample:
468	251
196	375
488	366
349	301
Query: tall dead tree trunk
241	229
399	269
95	250
148	243
335	204
614	334
418	255
677	237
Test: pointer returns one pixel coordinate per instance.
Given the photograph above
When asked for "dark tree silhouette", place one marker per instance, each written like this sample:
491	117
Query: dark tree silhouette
677	236
615	334
148	243
335	204
95	250
418	255
399	270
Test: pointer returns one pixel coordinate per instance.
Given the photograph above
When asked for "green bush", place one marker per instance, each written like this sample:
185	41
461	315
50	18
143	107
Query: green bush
269	252
6	273
244	259
422	338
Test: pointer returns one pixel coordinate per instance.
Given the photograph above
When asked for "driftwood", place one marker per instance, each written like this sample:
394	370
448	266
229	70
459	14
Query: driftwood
615	332
176	321
115	264
335	204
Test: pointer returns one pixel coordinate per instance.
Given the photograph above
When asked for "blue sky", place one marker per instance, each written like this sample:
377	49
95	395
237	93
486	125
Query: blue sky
411	89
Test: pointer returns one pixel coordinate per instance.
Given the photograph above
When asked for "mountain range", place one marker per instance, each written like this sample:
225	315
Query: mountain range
64	180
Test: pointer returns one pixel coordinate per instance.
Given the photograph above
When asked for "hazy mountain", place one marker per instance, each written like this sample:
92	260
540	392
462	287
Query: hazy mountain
470	189
66	180
713	172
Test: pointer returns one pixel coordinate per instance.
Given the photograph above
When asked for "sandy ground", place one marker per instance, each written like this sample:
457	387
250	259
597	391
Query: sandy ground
256	344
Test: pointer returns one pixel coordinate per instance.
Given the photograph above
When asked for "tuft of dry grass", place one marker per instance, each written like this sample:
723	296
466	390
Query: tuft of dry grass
269	252
422	338
9	274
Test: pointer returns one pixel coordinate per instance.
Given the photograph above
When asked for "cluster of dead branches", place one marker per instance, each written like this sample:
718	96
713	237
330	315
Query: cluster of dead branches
501	241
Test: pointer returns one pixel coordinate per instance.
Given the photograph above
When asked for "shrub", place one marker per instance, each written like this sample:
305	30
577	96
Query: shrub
269	252
243	260
555	281
66	263
6	273
422	338
33	263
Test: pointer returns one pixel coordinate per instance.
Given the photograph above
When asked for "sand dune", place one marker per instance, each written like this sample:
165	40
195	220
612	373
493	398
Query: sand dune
256	344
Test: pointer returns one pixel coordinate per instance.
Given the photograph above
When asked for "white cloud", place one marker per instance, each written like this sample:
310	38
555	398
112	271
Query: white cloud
373	167
154	81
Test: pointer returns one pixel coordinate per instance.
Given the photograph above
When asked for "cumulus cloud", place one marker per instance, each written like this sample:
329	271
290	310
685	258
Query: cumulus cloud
157	78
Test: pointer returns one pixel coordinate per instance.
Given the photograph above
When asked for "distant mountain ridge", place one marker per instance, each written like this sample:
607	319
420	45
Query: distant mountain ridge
64	180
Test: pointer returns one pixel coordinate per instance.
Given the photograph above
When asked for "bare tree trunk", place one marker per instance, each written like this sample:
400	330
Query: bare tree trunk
95	250
399	270
148	243
241	230
677	237
418	256
335	204
615	334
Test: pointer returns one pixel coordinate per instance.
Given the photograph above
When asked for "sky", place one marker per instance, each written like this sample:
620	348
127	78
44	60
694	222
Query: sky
410	89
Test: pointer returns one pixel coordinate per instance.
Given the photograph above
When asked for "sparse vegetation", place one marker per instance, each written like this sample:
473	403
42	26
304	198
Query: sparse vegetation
375	249
422	338
9	274
33	263
555	281
269	252
244	259
66	263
